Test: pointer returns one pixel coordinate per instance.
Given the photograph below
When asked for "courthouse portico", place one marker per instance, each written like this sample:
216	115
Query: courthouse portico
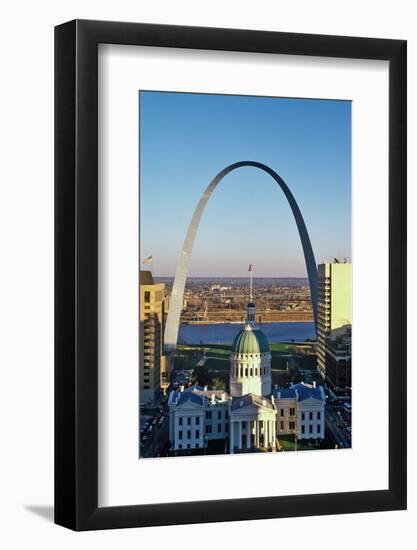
252	423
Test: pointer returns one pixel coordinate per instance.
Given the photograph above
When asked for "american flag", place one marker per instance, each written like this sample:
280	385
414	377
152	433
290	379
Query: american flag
147	260
250	267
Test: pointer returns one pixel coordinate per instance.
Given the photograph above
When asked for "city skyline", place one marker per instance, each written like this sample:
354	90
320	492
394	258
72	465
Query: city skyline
234	187
196	134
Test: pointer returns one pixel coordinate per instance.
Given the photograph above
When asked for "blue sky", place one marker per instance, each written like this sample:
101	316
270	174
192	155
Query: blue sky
186	139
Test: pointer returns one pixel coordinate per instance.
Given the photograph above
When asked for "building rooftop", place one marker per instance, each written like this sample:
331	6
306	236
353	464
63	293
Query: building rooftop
251	399
300	391
145	277
187	397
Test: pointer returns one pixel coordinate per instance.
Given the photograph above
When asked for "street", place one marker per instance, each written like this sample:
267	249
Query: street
154	439
337	423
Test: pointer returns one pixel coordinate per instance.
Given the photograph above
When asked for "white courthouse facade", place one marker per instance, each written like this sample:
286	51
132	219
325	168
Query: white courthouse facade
253	415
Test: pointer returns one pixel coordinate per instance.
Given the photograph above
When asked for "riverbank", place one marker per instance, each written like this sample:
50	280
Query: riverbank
289	320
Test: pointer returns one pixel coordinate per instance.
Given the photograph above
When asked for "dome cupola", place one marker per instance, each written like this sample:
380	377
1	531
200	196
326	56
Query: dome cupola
250	341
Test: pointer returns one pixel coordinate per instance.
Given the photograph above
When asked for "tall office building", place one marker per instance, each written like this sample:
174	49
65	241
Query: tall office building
334	322
154	366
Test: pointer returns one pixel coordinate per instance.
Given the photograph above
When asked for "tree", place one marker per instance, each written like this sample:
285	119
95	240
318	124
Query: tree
217	384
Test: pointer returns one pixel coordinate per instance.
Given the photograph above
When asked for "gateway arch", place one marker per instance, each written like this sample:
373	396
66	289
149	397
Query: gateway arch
176	302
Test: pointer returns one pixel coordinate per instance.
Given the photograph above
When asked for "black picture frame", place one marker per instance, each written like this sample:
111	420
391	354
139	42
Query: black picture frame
76	272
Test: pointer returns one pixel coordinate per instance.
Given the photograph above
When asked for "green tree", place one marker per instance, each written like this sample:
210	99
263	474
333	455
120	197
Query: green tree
217	384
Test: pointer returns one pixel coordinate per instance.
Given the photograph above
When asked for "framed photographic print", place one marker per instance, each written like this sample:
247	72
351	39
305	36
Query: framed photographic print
230	275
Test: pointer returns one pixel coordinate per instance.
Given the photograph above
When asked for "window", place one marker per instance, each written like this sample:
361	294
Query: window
197	446
292	425
208	415
311	428
311	416
197	421
180	446
197	434
180	421
219	415
281	412
208	429
227	427
303	429
303	416
318	415
180	434
292	411
318	426
219	427
188	445
282	425
188	434
188	421
147	296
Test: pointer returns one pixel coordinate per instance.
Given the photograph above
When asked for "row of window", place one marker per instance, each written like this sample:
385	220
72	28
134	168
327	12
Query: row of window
249	371
282	412
310	429
188	434
209	429
303	428
219	428
180	421
311	415
303	414
188	446
211	414
250	355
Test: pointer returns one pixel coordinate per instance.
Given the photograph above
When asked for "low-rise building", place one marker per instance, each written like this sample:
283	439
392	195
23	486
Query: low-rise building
197	416
301	410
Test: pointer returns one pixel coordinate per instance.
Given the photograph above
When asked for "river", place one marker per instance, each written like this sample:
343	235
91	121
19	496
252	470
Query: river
224	333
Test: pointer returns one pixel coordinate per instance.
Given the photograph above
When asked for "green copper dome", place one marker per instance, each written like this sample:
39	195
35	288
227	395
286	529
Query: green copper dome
250	340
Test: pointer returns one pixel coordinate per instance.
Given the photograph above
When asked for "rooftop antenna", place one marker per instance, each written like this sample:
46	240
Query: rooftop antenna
251	282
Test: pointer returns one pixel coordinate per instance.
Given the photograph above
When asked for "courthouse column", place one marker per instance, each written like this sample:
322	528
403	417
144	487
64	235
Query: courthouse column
239	435
232	437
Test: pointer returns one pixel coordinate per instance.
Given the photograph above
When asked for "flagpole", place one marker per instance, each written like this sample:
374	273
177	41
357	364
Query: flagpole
148	261
251	284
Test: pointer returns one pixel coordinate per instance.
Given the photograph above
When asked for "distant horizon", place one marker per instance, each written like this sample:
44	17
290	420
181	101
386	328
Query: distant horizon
230	277
298	277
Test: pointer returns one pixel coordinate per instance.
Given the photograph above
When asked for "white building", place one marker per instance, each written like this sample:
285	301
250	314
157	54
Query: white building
197	416
252	417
